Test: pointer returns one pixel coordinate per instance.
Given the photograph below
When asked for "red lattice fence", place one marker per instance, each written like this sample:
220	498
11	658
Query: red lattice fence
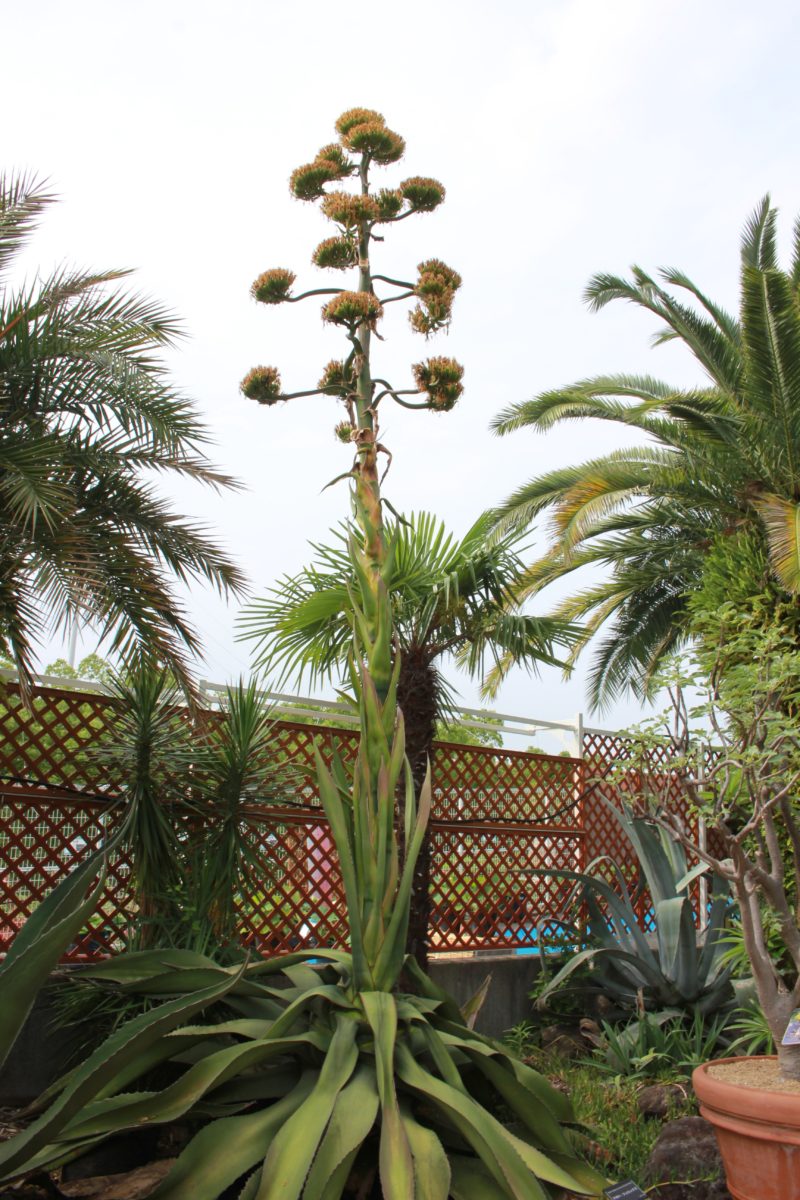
498	818
608	779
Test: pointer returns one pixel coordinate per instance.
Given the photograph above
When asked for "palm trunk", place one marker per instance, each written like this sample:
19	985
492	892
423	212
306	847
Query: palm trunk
417	695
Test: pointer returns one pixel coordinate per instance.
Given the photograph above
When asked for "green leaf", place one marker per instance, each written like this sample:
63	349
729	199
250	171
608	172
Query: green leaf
290	1156
431	1168
396	1165
224	1150
116	1053
38	946
353	1116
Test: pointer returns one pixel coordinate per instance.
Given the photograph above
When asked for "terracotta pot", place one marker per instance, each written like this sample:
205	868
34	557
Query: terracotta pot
758	1132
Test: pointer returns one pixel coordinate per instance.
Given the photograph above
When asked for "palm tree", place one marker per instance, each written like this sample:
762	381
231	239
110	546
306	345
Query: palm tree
720	459
88	417
448	597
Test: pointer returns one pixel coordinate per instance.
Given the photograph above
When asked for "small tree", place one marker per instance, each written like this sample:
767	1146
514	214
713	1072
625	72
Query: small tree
448	597
737	753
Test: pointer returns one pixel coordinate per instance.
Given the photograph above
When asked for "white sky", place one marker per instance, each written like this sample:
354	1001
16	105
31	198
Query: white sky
572	136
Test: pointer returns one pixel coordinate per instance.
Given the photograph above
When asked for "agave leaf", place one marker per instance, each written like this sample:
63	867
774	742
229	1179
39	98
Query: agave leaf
38	946
270	1084
177	1099
290	1156
436	1046
276	966
334	811
134	965
117	1052
431	1168
471	1181
570	966
390	959
711	966
353	1116
223	1151
431	991
515	1165
184	982
659	867
533	1114
252	1184
395	1162
689	877
304	976
473	1006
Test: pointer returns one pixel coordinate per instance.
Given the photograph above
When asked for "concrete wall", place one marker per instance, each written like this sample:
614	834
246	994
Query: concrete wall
41	1053
507	1002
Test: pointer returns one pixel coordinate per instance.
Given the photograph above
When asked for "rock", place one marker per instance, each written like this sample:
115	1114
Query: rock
562	1040
659	1099
133	1185
686	1152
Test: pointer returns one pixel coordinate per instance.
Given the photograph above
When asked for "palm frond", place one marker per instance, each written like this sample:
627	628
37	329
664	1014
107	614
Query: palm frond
758	239
23	199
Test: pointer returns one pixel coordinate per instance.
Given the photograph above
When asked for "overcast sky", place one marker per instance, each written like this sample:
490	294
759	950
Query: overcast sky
572	136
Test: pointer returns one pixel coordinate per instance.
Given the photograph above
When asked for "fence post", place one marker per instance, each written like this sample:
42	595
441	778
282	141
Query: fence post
579	735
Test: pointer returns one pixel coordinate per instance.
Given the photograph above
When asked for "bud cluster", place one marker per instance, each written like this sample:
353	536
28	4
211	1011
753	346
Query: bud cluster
262	384
441	379
273	287
353	308
349	210
308	182
336	379
422	195
364	131
436	287
339	253
345	432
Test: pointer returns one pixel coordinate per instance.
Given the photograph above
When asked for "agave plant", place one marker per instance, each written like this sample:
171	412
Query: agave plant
670	967
341	1079
37	948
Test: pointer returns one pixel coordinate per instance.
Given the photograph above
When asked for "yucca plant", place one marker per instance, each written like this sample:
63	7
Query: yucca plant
677	965
239	764
338	1082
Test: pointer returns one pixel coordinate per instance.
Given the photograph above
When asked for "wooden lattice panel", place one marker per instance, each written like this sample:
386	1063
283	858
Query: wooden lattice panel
493	812
476	783
299	904
486	890
42	837
47	743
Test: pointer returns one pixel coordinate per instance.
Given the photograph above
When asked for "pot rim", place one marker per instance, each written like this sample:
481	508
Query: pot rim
762	1104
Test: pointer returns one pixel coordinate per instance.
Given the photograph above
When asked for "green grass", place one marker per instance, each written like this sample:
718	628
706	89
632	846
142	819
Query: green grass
619	1138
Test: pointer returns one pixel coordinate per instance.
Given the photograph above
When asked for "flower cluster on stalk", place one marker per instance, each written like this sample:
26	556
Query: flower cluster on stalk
364	139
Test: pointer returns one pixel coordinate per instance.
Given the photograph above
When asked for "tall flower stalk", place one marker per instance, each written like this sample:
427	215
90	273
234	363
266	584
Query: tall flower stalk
377	878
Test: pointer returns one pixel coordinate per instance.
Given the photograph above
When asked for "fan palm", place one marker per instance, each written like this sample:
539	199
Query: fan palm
88	417
720	459
448	597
